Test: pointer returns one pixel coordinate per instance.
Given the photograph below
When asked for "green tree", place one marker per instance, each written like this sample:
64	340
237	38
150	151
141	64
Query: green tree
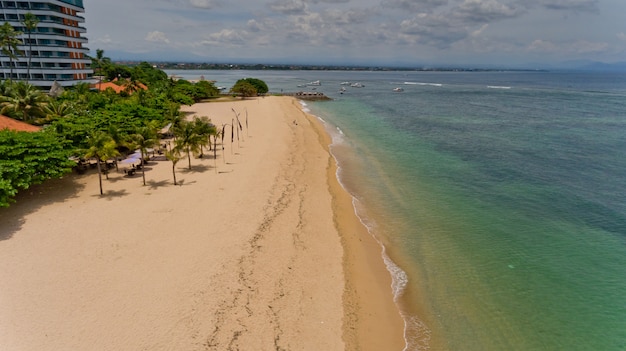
8	44
29	22
102	147
259	85
204	129
97	63
244	89
144	138
187	139
30	158
174	156
25	101
54	110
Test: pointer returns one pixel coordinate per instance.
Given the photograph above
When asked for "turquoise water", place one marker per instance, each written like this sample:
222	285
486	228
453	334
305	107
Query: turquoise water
500	195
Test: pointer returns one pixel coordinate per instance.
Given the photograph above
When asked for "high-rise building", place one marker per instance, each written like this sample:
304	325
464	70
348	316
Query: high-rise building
58	51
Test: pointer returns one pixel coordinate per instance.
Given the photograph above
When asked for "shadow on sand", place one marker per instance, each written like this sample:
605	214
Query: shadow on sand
155	185
31	200
195	169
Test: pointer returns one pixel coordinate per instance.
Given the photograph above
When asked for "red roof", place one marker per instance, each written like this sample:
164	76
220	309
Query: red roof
13	124
117	88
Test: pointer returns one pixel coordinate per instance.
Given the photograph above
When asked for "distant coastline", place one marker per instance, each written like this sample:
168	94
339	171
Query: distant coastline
303	67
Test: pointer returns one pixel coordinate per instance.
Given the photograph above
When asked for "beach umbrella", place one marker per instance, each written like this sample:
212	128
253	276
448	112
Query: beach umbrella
130	160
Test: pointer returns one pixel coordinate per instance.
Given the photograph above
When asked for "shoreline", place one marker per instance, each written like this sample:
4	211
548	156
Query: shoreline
373	320
194	266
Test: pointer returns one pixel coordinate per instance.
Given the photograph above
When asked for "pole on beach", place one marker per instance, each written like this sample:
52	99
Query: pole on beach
223	148
232	136
247	129
214	151
238	123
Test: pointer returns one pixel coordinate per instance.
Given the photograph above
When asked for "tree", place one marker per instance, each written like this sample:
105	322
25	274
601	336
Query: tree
29	22
187	139
9	43
244	89
30	158
25	101
102	147
174	156
259	85
145	138
54	110
204	129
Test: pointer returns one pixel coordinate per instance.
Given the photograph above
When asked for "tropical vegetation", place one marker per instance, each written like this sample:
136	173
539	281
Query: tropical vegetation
82	123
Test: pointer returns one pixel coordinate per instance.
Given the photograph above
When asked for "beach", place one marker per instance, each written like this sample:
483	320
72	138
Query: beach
257	249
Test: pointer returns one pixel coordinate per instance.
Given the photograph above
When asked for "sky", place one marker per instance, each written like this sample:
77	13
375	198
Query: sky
359	32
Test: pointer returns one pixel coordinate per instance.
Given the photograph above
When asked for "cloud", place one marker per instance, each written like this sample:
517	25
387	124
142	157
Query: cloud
227	37
436	30
573	5
204	4
414	6
106	39
577	47
289	7
360	29
157	37
565	5
339	17
485	11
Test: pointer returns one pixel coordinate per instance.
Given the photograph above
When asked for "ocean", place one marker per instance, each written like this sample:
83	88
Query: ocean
499	198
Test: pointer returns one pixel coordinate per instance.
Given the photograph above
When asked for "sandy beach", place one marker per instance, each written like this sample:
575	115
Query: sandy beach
258	249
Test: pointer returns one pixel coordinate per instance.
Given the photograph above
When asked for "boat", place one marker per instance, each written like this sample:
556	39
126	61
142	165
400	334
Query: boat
315	83
398	89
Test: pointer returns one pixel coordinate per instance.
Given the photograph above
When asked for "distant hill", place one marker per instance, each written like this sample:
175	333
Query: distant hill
588	65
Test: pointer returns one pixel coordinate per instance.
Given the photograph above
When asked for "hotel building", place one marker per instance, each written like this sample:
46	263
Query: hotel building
57	43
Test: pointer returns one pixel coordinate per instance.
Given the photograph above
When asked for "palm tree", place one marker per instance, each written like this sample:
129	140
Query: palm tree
99	62
55	110
187	139
24	99
9	43
102	147
204	129
144	138
173	114
29	22
174	156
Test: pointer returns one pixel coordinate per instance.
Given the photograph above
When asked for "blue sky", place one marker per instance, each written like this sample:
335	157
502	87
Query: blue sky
372	32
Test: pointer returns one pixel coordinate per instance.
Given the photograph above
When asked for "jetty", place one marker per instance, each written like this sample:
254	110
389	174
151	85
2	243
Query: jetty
308	95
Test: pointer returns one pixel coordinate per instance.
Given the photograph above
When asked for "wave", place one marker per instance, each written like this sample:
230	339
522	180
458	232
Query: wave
425	84
497	87
305	107
416	333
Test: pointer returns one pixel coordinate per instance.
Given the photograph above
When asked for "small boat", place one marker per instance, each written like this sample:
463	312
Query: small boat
315	83
398	89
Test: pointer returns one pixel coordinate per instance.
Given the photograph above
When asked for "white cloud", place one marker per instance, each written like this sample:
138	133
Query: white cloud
359	30
204	4
157	37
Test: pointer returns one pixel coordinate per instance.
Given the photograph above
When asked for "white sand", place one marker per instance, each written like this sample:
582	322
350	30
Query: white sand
243	256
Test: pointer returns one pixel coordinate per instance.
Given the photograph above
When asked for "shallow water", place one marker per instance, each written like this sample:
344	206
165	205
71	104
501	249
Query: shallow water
500	195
